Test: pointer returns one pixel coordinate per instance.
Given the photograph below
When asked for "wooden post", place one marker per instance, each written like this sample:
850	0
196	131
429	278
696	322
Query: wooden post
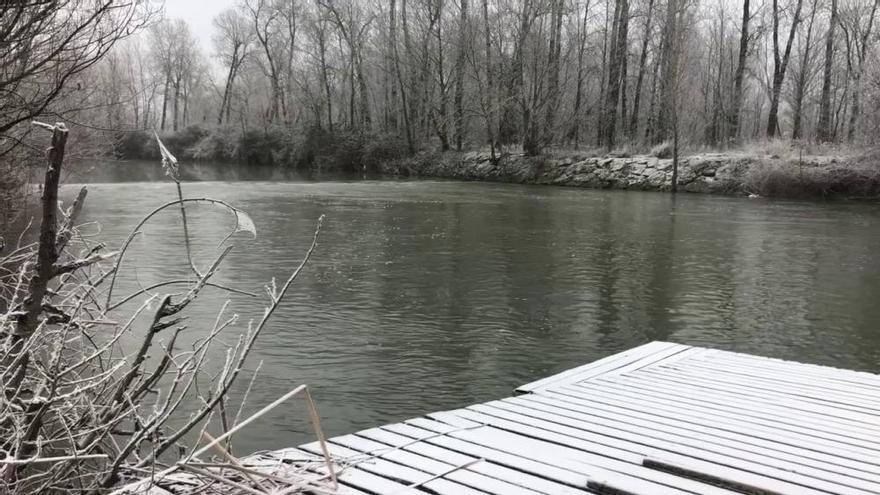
47	254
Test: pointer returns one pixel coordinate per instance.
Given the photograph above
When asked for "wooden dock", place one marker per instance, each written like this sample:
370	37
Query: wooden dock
658	419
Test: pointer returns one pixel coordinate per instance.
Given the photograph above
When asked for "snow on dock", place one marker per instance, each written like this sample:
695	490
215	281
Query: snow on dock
660	418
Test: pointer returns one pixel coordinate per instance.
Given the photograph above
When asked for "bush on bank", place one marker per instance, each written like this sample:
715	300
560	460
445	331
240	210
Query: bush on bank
313	149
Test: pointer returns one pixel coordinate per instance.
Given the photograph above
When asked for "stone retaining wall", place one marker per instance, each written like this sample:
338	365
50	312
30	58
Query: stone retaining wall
706	173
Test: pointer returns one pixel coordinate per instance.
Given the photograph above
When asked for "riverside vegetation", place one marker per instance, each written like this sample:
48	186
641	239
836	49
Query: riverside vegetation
777	168
93	381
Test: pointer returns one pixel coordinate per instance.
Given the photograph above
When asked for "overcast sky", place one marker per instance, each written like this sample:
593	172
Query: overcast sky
198	14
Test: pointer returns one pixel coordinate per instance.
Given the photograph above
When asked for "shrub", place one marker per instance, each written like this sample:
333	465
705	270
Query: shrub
221	143
274	146
623	152
81	410
136	144
264	148
383	148
662	150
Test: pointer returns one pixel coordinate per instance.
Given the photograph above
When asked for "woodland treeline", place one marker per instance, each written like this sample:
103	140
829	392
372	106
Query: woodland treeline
450	74
463	74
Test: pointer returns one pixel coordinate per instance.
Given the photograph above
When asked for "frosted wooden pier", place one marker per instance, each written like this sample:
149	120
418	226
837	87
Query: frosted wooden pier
658	419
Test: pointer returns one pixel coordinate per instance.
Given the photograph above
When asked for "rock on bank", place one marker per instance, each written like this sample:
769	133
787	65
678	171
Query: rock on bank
720	173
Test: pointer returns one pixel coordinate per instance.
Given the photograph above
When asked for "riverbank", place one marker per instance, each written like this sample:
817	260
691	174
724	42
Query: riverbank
735	173
767	168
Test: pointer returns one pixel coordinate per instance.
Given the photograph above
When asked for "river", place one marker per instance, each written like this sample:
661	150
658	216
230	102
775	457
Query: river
430	295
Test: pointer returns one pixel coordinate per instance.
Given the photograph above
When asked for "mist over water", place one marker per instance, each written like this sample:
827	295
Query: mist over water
427	295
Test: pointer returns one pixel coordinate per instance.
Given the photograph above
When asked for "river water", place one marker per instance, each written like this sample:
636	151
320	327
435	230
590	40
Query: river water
430	295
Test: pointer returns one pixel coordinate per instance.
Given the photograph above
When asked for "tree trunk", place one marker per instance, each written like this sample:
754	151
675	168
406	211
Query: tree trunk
553	85
800	86
322	48
442	126
578	96
823	131
668	73
226	90
399	78
857	83
464	39
176	103
780	64
490	86
674	150
352	121
363	92
165	101
618	53
643	58
736	104
603	78
530	139
28	319
651	123
414	107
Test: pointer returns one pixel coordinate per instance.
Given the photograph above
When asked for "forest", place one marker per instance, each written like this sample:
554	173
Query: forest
285	80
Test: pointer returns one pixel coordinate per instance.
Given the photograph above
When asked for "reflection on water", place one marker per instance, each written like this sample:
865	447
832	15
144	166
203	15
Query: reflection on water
431	295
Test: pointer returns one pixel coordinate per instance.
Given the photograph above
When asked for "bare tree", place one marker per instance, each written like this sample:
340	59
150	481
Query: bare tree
616	73
176	55
780	62
264	19
861	26
232	40
803	75
464	40
824	132
643	57
667	116
37	69
353	28
736	103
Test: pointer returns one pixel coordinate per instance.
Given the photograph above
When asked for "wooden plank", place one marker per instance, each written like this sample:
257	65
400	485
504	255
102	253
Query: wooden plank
466	476
744	485
840	398
488	467
687	431
672	354
765	462
845	375
277	461
392	471
600	366
748	394
781	408
659	418
361	480
703	460
593	467
418	427
791	372
553	446
730	418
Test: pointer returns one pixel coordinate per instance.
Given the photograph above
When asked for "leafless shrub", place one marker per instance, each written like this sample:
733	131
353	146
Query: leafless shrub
662	150
78	412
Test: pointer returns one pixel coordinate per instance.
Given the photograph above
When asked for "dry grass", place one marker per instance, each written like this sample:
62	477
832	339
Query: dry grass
662	150
786	179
